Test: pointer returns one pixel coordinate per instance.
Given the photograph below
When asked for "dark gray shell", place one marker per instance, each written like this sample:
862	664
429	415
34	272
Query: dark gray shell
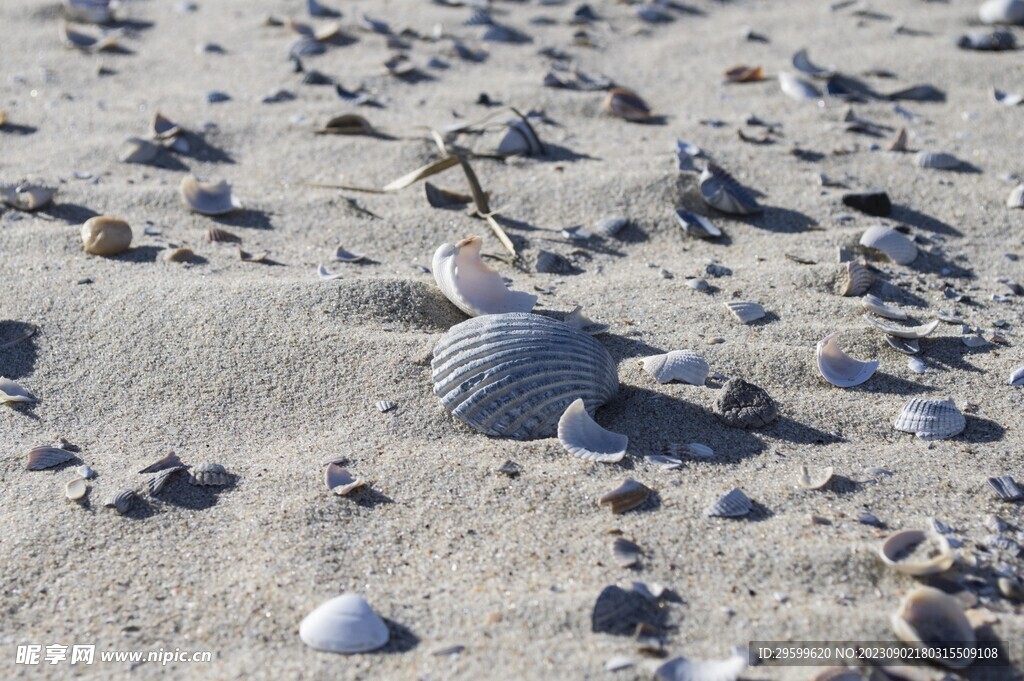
513	375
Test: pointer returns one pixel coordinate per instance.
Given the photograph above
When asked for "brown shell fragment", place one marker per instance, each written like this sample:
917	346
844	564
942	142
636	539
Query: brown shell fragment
626	496
745	405
626	104
744	74
347	124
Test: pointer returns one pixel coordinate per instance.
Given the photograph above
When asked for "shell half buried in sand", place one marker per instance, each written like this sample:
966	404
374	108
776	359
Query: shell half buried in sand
41	458
697	226
840	369
732	504
797	88
677	365
744	311
208	198
626	104
723	192
76	489
106	235
471	285
584	438
917	553
906	332
933	620
13	392
931	419
875	305
340	481
345	624
626	496
121	501
895	245
854	279
26	196
683	669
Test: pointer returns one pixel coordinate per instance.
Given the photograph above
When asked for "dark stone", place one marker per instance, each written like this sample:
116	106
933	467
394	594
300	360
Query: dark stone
872	203
744	405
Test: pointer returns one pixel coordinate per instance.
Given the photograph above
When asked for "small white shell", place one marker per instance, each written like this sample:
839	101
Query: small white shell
122	501
931	419
137	150
520	140
732	504
341	255
895	245
677	365
901	550
209	475
40	458
682	669
208	198
76	489
1002	12
340	481
696	225
917	365
1016	197
937	160
384	406
840	369
1017	376
345	624
471	285
625	552
584	438
745	312
327	275
908	332
693	450
1006	98
26	197
854	279
820	479
610	226
105	235
931	619
13	392
875	305
797	88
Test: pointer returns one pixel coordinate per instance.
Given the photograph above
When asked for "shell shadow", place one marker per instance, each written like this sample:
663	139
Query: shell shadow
19	359
202	150
791	430
371	498
920	220
949	352
982	430
71	213
18	129
621	347
246	217
883	382
781	220
179	492
936	263
402	638
141	509
618	611
139	254
556	153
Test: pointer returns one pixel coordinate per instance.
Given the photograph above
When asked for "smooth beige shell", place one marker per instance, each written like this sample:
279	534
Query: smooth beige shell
898	552
76	489
929	618
105	235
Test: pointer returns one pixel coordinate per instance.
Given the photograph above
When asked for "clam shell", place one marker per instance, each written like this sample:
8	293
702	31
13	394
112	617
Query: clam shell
626	496
1002	12
137	150
744	311
797	88
208	198
163	128
513	375
157	483
40	458
1006	98
723	192
682	669
610	226
854	279
625	553
937	160
76	489
122	501
908	346
1017	376
895	245
819	480
802	63
169	461
1006	487
875	305
840	369
13	392
1016	197
745	405
697	225
340	481
903	552
26	197
584	438
930	619
931	419
906	332
732	504
626	104
520	140
209	475
105	235
471	285
221	236
678	365
345	624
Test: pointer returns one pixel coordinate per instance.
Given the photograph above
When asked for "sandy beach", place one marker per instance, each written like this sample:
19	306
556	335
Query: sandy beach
272	372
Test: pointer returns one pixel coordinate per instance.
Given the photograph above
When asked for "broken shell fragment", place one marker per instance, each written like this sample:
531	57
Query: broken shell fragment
40	458
520	139
260	256
13	392
77	39
169	461
581	322
26	197
732	504
693	450
745	405
854	279
137	150
221	236
626	496
345	624
619	611
626	104
723	192
895	245
819	480
1017	376
340	481
209	475
683	669
898	143
76	489
1006	487
746	312
838	368
934	621
908	346
347	124
584	438
931	419
471	285
697	225
610	226
1016	197
106	235
677	365
797	88
917	553
875	305
937	160
208	198
342	255
157	483
163	128
744	74
802	63
443	198
897	331
625	552
122	501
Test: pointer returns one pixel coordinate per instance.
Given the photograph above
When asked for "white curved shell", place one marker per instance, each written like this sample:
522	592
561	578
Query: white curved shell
340	481
682	669
902	552
931	419
697	225
797	88
875	305
471	285
937	160
840	369
745	312
520	140
513	375
13	392
1002	12
1017	376
929	618
584	438
723	192
678	365
89	11
345	624
25	196
1016	197
75	489
897	331
208	198
895	245
732	504
818	480
854	279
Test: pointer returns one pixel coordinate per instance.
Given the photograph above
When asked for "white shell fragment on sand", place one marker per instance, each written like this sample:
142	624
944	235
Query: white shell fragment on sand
105	235
340	481
875	305
693	450
931	619
610	226
897	331
342	255
797	88
818	480
209	475
625	553
723	192
1002	12
137	150
170	460
937	160
208	198
732	504
13	392
1017	376
157	483
1006	487
895	245
345	624
840	369
41	458
121	501
626	496
513	375
854	279
931	419
682	669
584	438
76	489
581	322
677	365
520	140
696	226
1016	197
25	196
327	275
917	553
746	312
471	285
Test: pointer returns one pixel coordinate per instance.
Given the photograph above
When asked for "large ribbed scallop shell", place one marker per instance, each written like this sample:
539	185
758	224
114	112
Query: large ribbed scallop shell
854	279
513	375
931	419
895	245
471	285
678	365
721	191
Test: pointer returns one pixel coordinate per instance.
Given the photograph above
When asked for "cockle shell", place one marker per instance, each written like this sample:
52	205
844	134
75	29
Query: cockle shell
513	375
682	669
471	285
875	305
895	245
840	369
723	192
208	198
25	196
1017	376
907	332
854	279
76	489
40	458
677	365
1016	197
345	624
937	160
13	392
584	438
819	480
221	236
106	235
797	88
122	501
931	419
1002	12
209	475
157	483
931	619
626	104
732	504
697	225
626	496
917	553
746	312
340	481
625	553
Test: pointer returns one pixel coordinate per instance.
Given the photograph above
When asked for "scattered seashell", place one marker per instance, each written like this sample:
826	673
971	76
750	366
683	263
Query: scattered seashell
908	346
326	275
169	461
259	256
932	621
76	489
345	624
442	198
893	244
27	197
973	340
721	191
1002	12
122	501
667	463
618	611
797	88
937	160
917	365
1017	376
686	154
625	552
384	406
618	663
875	305
347	124
610	226
678	365
987	41
1006	487
471	285
90	11
899	142
1016	197
209	475
520	139
106	235
626	496
820	479
163	128
157	483
696	284
1006	98
931	419
868	518
137	150
682	669
41	458
221	236
84	471
745	405
732	504
745	312
340	481
906	332
744	74
513	375
584	438
551	263
917	553
511	469
802	63
341	255
581	322
840	369
697	225
13	392
77	39
854	279
208	198
692	450
182	254
872	203
626	104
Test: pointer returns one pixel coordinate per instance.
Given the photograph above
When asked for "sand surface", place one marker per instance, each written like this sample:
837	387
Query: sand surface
271	372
